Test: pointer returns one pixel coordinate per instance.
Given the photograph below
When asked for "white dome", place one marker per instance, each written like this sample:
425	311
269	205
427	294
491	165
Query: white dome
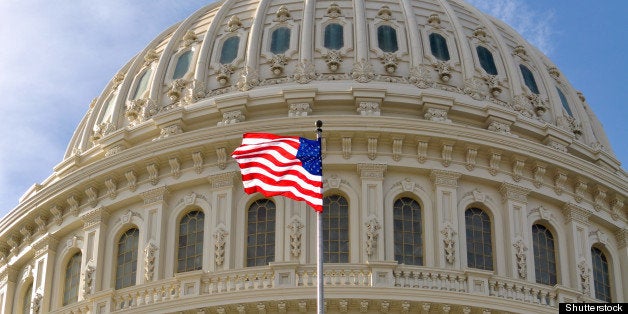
429	107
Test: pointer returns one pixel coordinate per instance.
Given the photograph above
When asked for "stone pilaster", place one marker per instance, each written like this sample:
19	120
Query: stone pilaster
578	247
8	283
44	269
622	250
516	236
222	220
445	185
93	257
371	214
151	256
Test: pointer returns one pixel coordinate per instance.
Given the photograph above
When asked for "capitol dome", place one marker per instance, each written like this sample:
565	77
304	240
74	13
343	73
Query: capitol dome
462	173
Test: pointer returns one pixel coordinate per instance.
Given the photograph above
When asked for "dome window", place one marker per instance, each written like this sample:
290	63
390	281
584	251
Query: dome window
334	36
72	278
601	276
183	64
142	84
486	60
190	246
563	100
260	243
528	78
280	40
229	50
408	236
387	38
126	269
335	229
544	255
438	46
479	239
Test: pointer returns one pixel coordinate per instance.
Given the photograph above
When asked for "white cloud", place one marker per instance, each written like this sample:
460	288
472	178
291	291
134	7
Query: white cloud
535	26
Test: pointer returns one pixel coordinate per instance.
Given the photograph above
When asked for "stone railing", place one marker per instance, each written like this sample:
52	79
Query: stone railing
290	275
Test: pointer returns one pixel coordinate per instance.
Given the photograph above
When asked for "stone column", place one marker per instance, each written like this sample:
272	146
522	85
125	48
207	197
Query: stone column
151	255
578	264
8	283
93	257
223	224
446	235
371	216
516	235
44	268
620	272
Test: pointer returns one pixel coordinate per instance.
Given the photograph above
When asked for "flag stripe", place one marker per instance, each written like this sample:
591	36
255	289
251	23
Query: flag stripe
273	165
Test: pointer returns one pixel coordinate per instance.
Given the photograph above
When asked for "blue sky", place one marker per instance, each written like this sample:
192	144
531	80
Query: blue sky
56	56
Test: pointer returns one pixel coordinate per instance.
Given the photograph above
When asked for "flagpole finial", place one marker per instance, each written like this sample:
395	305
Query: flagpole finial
319	124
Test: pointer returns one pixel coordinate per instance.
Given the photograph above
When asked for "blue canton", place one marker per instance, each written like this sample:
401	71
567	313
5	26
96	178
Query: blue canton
310	155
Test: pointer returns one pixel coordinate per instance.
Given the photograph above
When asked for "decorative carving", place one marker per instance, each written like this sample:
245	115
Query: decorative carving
372	232
434	20
372	171
446	154
304	72
343	305
131	179
231	117
474	88
472	153
150	56
580	189
368	108
422	151
517	168
333	11
543	213
114	150
295	237
559	182
36	303
520	51
111	185
333	182
599	198
149	261
390	62
513	192
617	204
41	221
223	74
384	13
299	110
133	110
397	146
436	114
384	307
73	201
234	23
88	280
538	174
520	105
92	200
494	162
421	76
195	90
584	275
100	130
197	158
117	80
364	306
346	147
444	70
493	83
449	241
222	180
56	214
153	173
188	39
499	127
168	131
154	195
553	71
405	307
333	58
175	167
248	79
282	14
219	244
27	232
362	71
444	178
520	255
277	64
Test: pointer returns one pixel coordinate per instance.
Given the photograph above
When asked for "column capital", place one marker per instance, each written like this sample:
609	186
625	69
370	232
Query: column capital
95	217
372	171
445	178
514	193
621	235
45	244
155	195
573	212
222	180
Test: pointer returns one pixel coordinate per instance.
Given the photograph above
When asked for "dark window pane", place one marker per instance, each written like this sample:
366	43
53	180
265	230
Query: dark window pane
528	79
563	101
229	50
387	38
479	239
335	229
72	277
486	60
408	235
438	46
544	255
334	36
601	275
280	40
260	233
127	258
190	241
183	64
142	84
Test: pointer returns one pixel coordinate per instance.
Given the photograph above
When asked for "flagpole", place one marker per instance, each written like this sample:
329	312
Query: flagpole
320	299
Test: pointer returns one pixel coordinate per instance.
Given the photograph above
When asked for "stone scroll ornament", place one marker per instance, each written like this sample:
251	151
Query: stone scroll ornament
450	242
219	244
295	237
149	261
88	280
372	232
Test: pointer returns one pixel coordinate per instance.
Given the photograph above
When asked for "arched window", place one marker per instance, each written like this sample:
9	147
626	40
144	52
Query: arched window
260	248
183	64
335	229
142	84
601	275
110	106
280	40
190	252
438	45
334	36
563	100
408	234
72	277
26	302
127	258
229	50
479	239
528	79
544	255
486	60
387	38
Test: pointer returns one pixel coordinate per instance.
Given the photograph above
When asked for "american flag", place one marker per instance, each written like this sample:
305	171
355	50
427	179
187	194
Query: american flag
281	165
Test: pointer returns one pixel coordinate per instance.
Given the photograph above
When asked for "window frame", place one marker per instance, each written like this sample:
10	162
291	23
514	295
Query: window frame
395	209
609	274
178	239
269	245
432	48
491	231
529	80
117	256
492	59
555	253
64	301
327	253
